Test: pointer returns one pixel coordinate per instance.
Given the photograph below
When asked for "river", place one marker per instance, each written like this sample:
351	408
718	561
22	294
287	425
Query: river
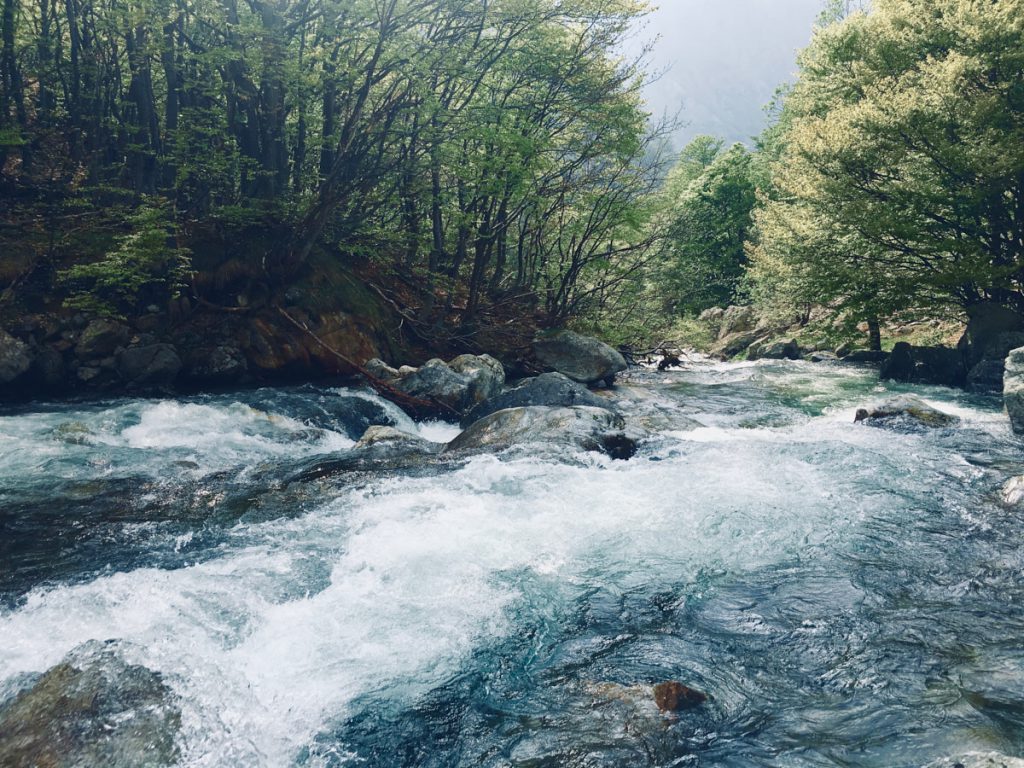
845	595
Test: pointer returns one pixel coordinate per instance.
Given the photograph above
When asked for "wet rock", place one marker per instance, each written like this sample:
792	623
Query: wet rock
737	320
581	358
1013	389
15	358
868	356
435	380
101	338
843	350
485	375
734	344
676	697
925	365
985	325
381	370
978	760
549	389
222	364
822	357
784	349
93	710
154	366
986	376
587	428
905	412
48	370
392	440
1012	492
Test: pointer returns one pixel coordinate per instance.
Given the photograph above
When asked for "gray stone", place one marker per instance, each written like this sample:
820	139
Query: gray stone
153	366
222	364
581	358
486	376
48	368
549	389
822	357
986	376
985	324
580	427
732	345
843	350
925	365
737	320
381	370
784	349
1013	389
101	338
1012	492
93	710
435	380
905	413
15	358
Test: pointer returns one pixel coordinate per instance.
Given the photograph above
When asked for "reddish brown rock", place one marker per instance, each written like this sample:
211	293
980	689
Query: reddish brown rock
675	697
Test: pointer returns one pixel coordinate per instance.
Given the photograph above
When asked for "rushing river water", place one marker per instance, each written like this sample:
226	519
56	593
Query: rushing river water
845	595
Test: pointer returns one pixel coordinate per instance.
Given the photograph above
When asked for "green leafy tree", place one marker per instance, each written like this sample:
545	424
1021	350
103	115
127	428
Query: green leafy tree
899	178
708	202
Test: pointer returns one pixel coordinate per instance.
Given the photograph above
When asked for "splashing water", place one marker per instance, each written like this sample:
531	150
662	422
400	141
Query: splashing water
845	595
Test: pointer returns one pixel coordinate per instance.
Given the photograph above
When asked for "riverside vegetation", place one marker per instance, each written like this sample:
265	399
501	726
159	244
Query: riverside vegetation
310	454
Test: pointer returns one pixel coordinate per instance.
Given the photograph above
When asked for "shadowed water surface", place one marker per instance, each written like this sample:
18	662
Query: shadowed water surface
847	596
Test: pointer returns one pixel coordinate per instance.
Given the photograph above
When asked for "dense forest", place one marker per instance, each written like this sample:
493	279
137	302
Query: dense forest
490	152
488	168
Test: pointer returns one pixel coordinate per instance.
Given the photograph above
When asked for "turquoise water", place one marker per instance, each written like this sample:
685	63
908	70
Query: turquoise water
846	596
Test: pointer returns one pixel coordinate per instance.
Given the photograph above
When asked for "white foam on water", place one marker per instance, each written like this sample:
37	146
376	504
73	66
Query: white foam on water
422	571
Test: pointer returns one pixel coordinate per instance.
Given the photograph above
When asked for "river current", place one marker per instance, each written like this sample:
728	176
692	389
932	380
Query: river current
845	595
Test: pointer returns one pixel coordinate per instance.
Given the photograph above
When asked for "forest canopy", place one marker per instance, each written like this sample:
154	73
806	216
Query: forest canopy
494	148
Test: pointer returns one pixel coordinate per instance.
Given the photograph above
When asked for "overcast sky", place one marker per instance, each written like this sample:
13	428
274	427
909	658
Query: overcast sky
723	60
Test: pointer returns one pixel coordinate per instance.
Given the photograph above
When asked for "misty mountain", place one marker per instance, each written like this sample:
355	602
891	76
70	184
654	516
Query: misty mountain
718	62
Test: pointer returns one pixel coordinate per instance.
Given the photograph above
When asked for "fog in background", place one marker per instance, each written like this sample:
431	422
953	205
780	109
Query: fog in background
722	60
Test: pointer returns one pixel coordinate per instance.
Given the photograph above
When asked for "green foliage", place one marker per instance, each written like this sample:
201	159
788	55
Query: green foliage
708	201
898	178
146	264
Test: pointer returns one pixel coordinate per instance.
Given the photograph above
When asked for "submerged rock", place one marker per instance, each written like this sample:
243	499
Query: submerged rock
905	412
676	697
581	358
93	710
588	428
549	389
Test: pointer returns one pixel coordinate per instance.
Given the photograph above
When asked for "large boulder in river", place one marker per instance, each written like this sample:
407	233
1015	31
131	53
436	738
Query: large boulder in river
581	427
784	349
15	358
581	358
485	375
459	385
435	380
925	365
93	710
154	366
905	413
550	389
1013	389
